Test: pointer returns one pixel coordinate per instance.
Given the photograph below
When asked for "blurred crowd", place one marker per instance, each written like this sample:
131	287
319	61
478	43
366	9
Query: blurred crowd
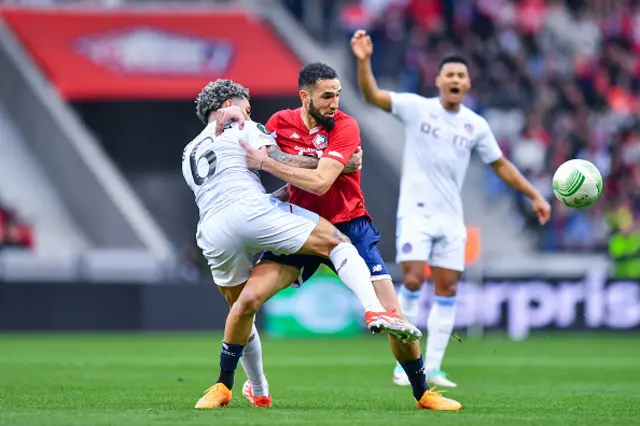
556	79
14	232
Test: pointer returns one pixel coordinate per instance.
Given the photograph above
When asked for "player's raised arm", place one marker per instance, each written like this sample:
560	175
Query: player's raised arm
362	48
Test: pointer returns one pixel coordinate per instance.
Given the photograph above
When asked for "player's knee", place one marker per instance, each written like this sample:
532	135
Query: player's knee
331	242
413	280
336	239
446	287
325	238
248	304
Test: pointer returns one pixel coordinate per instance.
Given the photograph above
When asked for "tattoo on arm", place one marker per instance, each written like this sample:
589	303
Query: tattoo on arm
282	193
351	167
300	161
340	236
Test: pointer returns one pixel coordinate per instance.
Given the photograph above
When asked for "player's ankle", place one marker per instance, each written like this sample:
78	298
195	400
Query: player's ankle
375	307
230	355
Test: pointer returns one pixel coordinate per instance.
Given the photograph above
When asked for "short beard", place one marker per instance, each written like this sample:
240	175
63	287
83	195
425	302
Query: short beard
327	122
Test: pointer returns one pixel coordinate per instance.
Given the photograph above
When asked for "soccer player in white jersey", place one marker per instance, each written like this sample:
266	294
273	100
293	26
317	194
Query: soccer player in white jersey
239	220
440	134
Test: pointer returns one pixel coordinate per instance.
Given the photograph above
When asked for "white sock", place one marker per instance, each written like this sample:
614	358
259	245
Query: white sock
439	327
409	304
252	364
353	271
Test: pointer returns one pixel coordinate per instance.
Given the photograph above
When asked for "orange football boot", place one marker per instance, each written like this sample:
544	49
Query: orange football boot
433	400
216	396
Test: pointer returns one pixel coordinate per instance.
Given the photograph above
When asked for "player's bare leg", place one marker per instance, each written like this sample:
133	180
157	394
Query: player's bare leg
267	278
410	359
251	359
219	395
326	240
386	293
440	323
409	301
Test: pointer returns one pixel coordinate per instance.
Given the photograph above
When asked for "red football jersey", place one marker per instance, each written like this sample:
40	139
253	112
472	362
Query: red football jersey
344	200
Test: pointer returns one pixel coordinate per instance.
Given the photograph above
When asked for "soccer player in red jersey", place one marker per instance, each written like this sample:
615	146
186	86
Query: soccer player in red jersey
319	129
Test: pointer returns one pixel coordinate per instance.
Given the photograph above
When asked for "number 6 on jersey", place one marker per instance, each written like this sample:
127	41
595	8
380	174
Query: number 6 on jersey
202	161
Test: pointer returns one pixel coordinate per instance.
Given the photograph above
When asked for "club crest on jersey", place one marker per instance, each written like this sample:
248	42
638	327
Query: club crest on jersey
469	128
263	129
321	142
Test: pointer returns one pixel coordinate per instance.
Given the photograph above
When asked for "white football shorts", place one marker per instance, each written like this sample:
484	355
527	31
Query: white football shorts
232	239
434	239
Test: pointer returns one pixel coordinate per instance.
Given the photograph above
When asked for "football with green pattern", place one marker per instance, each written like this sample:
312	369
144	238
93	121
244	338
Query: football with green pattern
577	183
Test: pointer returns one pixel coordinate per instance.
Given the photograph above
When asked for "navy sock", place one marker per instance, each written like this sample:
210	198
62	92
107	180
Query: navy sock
417	377
229	357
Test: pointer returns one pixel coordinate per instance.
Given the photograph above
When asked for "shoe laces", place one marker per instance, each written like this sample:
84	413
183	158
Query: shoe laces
436	393
212	389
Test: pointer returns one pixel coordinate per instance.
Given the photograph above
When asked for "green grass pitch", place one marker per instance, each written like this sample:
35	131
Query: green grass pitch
155	379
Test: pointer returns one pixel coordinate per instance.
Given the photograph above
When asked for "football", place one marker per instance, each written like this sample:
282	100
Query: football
577	183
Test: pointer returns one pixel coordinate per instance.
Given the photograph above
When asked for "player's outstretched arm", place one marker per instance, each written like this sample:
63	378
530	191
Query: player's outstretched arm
316	181
308	162
512	176
362	48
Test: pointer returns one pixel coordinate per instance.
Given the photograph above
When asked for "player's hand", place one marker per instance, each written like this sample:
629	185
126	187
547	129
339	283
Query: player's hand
224	115
255	157
355	162
361	45
542	209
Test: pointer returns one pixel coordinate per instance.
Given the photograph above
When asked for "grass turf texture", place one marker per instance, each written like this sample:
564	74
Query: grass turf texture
155	379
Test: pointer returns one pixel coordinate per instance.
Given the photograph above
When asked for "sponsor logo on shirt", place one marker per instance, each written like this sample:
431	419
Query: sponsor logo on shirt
458	141
304	149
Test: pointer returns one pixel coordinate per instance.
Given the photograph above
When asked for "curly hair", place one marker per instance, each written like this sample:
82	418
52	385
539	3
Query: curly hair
214	94
311	73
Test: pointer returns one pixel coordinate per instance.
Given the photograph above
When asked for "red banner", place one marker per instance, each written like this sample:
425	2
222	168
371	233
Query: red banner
153	55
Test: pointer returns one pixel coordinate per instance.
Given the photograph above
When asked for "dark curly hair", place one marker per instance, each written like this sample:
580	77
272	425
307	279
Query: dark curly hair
311	73
214	94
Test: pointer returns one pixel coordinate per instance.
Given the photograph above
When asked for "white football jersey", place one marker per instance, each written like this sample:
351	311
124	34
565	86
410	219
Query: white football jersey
438	145
215	166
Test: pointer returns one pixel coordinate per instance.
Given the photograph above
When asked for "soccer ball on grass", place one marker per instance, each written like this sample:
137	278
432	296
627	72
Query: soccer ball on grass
577	183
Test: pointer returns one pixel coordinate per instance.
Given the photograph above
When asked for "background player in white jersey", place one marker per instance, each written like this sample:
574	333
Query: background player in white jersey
440	134
239	220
